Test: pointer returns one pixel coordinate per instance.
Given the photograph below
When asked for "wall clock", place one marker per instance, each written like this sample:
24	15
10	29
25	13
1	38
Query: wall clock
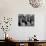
35	3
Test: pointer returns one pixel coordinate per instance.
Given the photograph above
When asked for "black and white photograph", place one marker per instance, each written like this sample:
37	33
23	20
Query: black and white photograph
26	20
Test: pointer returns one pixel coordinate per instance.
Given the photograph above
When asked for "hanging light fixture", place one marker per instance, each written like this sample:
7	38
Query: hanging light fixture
36	3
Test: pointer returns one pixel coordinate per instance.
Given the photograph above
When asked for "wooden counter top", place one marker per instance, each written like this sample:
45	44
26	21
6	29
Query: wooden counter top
27	41
42	41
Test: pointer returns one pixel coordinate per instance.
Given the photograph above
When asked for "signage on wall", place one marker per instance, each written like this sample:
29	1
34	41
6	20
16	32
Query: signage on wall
25	20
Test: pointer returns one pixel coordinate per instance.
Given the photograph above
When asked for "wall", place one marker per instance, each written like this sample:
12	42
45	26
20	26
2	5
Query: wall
11	8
